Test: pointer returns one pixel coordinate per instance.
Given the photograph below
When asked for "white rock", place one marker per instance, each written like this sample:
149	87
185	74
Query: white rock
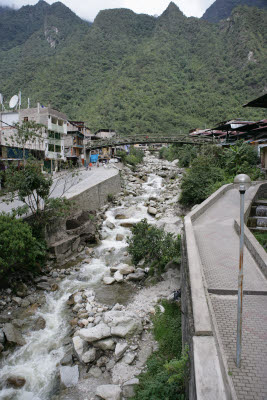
129	358
79	346
123	372
108	280
152	210
109	392
118	276
96	333
106	344
78	298
69	376
120	350
125	269
128	389
89	356
123	323
95	372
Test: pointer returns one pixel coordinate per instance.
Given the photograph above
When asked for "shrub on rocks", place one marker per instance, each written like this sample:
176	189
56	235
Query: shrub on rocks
154	246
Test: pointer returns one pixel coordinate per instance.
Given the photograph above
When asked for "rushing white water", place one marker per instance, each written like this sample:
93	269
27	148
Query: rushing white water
38	360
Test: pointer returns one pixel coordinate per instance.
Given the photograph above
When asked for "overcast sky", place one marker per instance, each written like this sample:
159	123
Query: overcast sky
88	9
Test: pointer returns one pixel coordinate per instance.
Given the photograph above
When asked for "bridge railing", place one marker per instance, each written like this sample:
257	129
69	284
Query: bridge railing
148	139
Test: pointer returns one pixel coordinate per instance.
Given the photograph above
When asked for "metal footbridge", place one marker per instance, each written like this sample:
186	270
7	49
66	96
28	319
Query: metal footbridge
118	140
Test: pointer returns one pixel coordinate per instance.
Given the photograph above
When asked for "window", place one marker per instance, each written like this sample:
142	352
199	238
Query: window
25	119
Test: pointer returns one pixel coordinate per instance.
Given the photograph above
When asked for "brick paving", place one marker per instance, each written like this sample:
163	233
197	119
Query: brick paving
218	245
250	380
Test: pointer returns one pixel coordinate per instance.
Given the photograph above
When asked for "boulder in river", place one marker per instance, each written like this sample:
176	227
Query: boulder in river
119	237
80	346
108	280
39	324
96	333
110	225
69	376
152	211
123	323
89	356
109	392
16	381
118	276
13	335
120	350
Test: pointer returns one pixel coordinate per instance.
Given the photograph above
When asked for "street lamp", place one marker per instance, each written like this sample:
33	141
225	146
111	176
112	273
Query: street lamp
243	181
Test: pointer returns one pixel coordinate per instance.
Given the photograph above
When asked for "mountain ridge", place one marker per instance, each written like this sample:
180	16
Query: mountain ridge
138	73
222	9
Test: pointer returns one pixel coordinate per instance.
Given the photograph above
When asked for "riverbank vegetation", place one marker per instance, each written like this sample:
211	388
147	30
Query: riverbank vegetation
153	247
167	368
134	157
210	167
19	249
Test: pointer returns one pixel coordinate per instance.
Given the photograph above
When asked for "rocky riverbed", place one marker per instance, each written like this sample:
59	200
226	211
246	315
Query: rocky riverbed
82	331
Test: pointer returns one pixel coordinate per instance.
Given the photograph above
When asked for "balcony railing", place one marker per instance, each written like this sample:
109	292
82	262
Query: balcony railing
55	127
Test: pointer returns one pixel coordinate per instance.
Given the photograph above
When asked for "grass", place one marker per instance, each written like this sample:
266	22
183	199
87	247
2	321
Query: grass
157	383
261	238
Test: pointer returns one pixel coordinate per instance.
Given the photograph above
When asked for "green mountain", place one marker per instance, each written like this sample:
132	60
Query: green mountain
222	9
136	73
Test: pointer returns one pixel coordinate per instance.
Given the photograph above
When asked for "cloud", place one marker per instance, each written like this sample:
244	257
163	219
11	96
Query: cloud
88	9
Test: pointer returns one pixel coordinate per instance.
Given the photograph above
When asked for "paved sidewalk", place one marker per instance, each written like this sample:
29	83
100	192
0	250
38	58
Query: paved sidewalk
218	245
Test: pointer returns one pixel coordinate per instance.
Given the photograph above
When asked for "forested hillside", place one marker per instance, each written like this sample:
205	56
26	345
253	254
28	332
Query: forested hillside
222	9
135	73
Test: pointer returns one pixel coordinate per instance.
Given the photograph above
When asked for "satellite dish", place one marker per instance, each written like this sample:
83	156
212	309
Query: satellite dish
13	101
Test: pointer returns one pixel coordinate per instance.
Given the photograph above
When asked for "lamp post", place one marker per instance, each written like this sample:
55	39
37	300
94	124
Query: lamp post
243	181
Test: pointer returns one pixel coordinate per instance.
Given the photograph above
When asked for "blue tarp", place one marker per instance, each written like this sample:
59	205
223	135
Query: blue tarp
94	158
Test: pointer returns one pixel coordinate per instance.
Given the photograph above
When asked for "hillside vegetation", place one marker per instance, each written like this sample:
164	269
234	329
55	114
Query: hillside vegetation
135	73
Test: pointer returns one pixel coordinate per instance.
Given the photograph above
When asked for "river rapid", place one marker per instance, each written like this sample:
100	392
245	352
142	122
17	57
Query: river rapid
38	360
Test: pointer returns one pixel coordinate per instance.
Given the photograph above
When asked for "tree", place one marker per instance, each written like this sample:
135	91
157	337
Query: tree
35	189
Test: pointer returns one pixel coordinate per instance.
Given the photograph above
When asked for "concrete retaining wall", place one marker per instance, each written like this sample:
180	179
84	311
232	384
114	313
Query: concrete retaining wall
96	196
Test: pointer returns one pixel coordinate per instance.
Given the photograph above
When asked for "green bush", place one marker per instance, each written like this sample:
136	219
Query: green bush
153	245
134	157
215	167
19	249
184	153
160	379
198	182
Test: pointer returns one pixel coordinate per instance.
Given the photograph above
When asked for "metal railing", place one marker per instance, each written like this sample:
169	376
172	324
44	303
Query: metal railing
148	139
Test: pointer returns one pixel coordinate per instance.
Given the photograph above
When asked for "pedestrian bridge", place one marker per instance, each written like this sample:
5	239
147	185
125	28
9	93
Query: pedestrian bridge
150	139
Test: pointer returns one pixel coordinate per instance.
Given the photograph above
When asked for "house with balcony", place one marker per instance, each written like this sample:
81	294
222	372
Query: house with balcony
75	142
48	146
55	127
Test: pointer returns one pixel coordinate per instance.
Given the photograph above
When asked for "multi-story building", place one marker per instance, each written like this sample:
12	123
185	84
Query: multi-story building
74	142
48	145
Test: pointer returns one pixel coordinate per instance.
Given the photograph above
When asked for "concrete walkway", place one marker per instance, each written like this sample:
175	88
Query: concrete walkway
218	245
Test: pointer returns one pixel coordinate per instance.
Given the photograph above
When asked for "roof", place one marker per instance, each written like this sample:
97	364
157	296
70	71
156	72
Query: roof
259	102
